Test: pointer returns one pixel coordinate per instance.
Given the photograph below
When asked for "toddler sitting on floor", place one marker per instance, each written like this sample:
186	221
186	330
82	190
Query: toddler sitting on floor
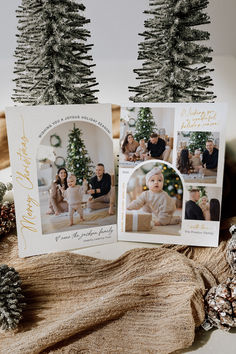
156	201
141	150
196	161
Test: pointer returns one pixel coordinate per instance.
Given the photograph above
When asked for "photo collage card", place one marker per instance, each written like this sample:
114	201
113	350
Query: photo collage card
171	173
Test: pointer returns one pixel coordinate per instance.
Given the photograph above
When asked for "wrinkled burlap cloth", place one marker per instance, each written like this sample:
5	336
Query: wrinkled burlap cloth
146	301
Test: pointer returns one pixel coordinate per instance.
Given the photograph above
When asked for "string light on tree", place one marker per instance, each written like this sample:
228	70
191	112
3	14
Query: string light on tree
197	141
145	124
78	160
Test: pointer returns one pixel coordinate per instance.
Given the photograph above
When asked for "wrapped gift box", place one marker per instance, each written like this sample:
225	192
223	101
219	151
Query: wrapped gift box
138	221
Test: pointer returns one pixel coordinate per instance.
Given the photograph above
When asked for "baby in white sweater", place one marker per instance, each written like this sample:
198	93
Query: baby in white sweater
74	195
156	201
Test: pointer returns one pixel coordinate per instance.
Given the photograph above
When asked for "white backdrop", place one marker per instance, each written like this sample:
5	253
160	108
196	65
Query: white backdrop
114	27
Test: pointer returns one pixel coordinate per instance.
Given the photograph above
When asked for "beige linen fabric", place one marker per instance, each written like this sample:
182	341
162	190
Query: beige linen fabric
146	301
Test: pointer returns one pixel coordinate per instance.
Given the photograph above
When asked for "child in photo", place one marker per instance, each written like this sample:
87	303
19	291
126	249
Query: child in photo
141	150
156	201
74	195
205	206
196	161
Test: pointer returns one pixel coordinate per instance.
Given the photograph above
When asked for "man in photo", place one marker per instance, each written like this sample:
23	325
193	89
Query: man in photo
192	210
156	146
210	159
101	192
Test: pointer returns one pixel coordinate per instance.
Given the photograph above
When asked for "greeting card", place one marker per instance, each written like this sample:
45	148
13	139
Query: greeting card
171	173
63	176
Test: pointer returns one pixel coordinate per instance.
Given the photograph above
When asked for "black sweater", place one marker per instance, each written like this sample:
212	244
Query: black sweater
104	185
211	160
193	211
156	149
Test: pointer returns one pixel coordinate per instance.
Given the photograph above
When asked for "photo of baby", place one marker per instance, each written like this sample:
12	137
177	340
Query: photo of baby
197	156
202	203
146	134
154	200
76	178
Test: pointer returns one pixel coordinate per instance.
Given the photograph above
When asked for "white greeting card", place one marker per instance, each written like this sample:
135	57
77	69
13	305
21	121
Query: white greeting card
171	173
63	176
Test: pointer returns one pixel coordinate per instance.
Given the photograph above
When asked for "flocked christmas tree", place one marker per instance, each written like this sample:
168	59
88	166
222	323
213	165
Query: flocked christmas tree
53	64
175	65
27	38
78	160
145	124
197	141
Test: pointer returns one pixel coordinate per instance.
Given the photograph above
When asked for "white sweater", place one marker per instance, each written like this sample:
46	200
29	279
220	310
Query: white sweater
73	195
160	204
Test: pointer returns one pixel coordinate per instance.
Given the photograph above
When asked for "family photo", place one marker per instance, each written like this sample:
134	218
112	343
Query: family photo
197	156
154	200
203	203
76	178
146	134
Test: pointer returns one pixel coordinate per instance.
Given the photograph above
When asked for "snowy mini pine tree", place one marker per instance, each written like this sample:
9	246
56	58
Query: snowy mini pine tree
27	38
174	67
52	61
197	141
78	160
145	124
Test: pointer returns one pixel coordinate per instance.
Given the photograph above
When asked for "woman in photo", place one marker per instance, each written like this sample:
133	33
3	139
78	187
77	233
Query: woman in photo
57	204
214	209
184	162
129	147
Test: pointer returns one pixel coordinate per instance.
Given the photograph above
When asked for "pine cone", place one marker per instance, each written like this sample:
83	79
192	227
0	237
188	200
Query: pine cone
3	189
221	306
231	249
7	217
11	299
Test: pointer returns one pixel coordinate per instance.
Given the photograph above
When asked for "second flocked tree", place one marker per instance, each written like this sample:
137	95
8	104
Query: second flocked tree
78	161
53	64
175	60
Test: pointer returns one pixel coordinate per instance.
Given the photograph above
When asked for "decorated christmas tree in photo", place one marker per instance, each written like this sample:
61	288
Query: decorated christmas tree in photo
53	64
145	124
172	183
78	161
174	58
197	141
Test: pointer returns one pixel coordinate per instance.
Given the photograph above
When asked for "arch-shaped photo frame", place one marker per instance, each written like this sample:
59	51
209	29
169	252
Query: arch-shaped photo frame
156	208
